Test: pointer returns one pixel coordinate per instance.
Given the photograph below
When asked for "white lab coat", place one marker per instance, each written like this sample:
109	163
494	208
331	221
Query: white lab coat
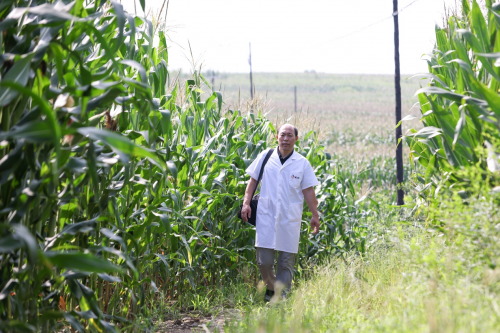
281	201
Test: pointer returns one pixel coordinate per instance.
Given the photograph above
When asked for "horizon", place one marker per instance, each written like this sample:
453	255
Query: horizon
204	71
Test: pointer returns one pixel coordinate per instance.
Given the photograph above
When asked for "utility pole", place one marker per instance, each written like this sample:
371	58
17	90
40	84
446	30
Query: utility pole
295	98
399	132
250	63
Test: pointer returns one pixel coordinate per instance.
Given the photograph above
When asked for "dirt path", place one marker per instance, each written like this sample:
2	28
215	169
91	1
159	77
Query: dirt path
189	323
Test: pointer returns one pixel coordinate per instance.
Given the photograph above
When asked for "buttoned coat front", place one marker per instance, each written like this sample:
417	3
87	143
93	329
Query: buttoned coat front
281	201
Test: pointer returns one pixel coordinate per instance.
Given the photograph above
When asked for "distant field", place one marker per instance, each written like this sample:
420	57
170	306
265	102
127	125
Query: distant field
354	112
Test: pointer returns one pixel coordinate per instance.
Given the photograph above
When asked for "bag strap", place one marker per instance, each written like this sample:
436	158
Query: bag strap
268	155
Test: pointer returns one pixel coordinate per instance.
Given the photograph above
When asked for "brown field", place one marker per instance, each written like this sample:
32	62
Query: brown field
354	113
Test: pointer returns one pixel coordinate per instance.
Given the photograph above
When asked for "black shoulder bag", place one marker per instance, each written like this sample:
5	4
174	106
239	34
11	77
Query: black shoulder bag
255	198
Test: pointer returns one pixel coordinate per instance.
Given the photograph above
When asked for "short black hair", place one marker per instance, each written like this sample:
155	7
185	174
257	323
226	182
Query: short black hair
294	129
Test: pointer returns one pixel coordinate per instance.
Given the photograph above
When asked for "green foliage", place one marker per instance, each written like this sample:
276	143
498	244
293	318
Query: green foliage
119	187
460	107
414	278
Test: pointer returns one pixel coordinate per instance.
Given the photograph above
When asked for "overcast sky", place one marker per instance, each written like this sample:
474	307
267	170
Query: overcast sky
298	35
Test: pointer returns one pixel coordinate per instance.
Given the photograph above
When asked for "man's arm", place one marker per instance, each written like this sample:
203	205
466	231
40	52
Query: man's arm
312	202
246	210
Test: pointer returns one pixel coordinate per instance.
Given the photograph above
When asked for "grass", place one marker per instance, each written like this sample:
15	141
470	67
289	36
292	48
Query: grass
437	270
414	279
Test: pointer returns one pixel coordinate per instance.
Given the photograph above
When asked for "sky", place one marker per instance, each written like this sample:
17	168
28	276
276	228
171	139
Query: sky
298	35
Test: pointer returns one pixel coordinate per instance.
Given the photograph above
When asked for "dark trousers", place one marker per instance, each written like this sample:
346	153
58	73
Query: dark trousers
284	273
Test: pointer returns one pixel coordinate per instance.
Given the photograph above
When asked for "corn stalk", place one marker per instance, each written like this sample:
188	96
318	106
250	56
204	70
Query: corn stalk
460	106
116	188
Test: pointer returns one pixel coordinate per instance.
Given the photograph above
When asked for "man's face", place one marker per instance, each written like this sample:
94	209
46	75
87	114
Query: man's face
286	138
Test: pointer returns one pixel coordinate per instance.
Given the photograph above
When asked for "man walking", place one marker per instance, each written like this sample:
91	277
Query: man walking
287	181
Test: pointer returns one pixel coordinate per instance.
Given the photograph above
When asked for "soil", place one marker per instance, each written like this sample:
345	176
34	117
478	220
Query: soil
188	323
191	324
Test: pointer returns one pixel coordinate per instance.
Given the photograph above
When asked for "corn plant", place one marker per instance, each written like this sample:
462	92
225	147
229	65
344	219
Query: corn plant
460	106
347	219
119	185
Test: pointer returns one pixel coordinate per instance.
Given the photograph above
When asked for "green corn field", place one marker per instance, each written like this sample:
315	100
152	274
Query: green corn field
461	106
119	184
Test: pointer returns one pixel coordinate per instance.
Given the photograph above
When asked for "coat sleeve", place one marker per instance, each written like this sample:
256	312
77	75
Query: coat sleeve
254	168
309	178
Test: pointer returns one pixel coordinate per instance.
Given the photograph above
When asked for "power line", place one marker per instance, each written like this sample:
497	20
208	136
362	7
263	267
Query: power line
346	35
399	11
368	26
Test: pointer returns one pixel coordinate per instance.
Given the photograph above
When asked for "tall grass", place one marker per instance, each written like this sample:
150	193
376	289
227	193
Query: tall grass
414	279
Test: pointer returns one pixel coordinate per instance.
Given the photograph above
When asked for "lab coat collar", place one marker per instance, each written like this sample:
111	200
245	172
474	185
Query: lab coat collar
289	161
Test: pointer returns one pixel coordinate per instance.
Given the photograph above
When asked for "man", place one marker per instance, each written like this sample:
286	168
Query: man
288	179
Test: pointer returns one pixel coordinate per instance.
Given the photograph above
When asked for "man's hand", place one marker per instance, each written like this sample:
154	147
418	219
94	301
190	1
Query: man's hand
315	224
312	202
246	212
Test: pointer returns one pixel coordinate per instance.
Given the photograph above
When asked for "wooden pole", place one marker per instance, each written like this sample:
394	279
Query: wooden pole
295	97
250	63
399	133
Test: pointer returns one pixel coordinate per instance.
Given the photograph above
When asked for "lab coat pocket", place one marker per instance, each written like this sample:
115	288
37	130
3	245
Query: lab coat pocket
295	212
263	207
296	179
